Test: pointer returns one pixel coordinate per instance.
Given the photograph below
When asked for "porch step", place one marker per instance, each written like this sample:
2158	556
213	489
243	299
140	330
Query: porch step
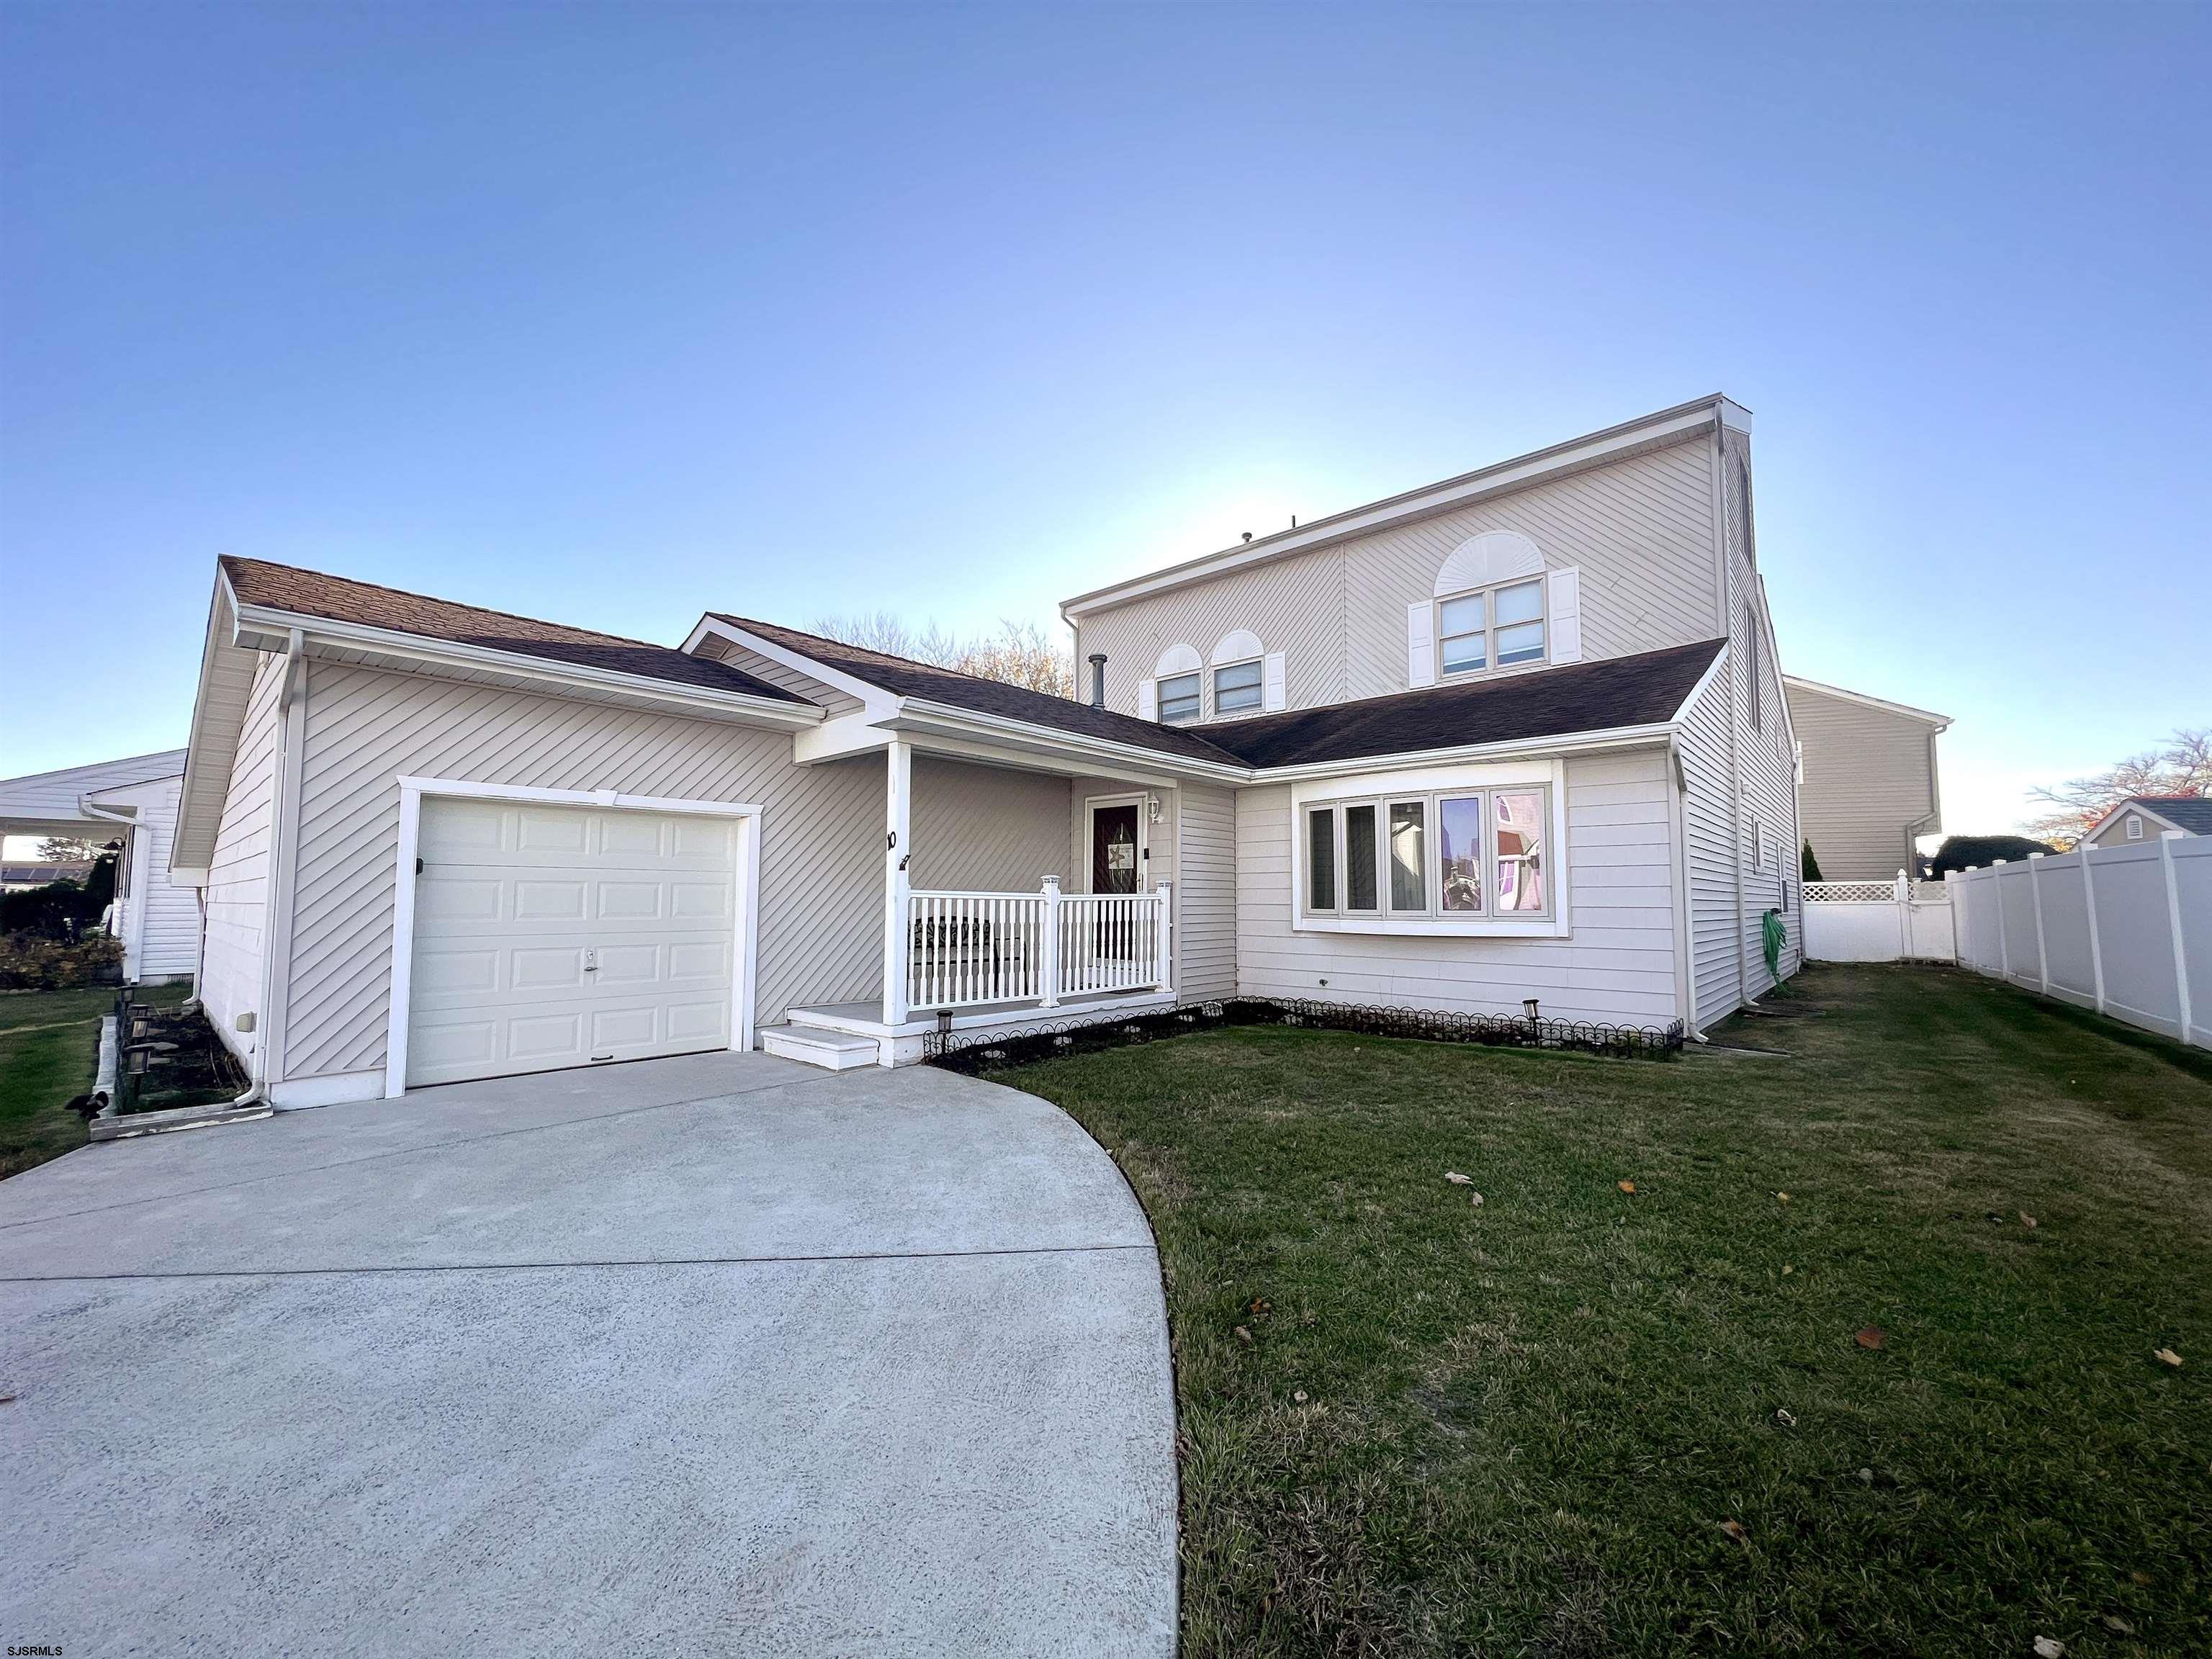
832	1050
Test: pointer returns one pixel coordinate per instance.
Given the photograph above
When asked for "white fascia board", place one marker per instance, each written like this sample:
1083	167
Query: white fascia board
1799	683
1647	431
257	623
918	715
185	838
1039	759
1579	743
1705	681
856	733
2103	824
879	703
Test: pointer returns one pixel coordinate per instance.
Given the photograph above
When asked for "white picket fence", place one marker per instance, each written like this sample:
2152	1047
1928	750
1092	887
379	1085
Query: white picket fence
2124	930
1896	920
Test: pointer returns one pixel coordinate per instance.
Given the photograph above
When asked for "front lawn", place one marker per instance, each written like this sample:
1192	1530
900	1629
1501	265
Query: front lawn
48	1054
1581	1420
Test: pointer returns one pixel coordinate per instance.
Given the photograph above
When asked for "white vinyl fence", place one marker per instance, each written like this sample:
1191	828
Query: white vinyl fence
1898	920
2124	930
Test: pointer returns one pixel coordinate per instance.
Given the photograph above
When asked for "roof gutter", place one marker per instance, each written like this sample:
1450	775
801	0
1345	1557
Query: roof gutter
919	712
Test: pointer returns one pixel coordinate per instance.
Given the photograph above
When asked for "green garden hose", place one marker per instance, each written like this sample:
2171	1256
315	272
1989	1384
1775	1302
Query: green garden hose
1773	936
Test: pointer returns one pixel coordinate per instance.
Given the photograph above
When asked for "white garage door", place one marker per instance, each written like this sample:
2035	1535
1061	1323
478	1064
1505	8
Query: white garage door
553	936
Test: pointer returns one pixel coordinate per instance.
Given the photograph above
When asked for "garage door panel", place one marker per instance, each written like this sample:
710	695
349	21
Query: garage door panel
548	937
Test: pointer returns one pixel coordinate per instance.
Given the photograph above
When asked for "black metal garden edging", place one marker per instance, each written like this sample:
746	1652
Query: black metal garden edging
974	1052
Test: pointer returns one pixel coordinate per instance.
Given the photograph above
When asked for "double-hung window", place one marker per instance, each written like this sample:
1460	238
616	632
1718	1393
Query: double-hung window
1179	699
1493	628
1465	855
1236	688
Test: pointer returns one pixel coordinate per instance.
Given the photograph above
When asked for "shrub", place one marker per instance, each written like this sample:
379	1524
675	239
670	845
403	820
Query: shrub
30	961
1808	867
58	910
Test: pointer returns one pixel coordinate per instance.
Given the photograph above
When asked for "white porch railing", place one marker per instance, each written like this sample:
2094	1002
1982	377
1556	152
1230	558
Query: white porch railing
967	949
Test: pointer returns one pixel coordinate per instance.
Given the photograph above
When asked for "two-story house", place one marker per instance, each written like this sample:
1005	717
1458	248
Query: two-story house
1518	735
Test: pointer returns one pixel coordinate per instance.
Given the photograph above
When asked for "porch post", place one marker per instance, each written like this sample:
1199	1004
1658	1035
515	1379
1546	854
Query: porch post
897	815
1050	963
1166	965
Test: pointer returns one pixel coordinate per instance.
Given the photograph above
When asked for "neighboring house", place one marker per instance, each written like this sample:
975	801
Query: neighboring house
134	801
1518	735
2146	817
1867	780
21	877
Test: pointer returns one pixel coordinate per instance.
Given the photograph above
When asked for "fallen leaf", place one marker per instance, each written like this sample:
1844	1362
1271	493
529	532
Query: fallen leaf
1872	1336
1784	1418
2050	1647
1299	1395
2114	1622
1866	1477
1259	1304
2167	1356
1478	1200
2025	1219
1457	1178
1734	1529
2141	1577
1784	1197
1787	1268
1243	1335
1628	1185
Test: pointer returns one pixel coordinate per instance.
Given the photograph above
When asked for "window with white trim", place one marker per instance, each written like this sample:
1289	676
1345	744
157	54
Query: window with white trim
1498	627
1457	854
1238	686
1178	694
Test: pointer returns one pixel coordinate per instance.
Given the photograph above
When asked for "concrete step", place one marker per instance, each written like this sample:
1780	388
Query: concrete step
833	1050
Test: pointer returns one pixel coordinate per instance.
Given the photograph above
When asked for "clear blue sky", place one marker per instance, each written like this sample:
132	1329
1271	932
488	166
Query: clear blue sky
610	315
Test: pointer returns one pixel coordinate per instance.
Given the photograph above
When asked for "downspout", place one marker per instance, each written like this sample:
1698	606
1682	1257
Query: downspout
1685	956
290	707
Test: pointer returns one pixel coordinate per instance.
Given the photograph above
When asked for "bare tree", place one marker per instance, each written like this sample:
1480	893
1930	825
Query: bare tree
2181	766
67	849
1019	653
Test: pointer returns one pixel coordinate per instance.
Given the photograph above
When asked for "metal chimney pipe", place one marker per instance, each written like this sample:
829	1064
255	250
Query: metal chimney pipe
1098	679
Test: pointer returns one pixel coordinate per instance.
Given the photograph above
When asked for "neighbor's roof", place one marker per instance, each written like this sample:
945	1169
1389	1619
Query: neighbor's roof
338	598
1617	692
904	677
2190	812
1799	683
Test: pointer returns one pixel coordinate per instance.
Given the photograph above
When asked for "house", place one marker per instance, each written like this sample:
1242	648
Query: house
1518	735
2146	817
1867	785
133	801
21	878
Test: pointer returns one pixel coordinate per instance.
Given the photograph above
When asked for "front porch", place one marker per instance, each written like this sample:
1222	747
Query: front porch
1001	934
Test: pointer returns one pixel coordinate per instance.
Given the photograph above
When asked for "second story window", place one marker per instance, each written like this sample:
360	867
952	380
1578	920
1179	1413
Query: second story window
1497	628
1237	689
1179	699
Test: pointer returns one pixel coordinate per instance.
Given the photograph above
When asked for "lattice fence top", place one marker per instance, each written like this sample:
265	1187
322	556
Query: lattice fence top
1850	892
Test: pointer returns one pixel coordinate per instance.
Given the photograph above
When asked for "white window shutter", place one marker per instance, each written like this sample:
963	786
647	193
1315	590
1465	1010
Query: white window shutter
1148	699
1420	644
1274	693
1566	615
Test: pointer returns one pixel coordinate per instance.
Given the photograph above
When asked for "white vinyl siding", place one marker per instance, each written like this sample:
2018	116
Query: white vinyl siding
1717	969
822	827
238	873
170	937
986	829
1206	894
1637	531
1616	964
1869	779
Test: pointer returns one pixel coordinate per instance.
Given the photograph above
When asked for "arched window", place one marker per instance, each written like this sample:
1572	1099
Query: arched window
1493	606
1174	687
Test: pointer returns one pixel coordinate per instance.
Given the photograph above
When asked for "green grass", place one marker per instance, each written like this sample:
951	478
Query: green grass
49	1053
1525	1423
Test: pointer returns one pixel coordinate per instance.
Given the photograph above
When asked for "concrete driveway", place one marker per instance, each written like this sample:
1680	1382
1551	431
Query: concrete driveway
722	1354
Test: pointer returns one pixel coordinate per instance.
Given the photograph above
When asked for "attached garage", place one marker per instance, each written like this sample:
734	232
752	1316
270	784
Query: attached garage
546	935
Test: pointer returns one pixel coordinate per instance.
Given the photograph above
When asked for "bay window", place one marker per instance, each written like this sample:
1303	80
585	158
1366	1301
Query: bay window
1460	856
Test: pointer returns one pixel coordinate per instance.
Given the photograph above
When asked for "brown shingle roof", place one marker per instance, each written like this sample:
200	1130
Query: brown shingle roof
904	677
340	598
1551	702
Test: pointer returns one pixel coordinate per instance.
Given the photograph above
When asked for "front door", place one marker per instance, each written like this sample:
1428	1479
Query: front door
1114	849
